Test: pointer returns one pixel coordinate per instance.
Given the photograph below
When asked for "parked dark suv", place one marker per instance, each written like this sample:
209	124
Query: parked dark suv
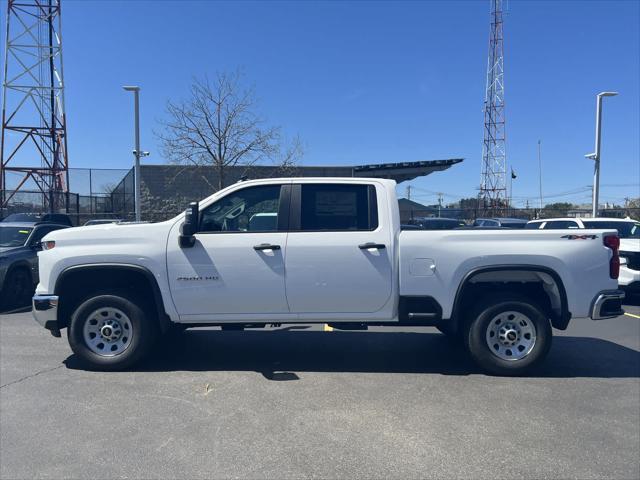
19	245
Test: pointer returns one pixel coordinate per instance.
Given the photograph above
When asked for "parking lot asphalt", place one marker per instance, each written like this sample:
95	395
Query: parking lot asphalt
302	402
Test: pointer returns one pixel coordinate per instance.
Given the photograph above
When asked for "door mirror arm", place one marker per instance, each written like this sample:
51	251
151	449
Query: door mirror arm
189	227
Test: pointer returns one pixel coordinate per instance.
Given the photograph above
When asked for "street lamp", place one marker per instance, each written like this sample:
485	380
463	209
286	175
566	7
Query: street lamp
596	155
137	152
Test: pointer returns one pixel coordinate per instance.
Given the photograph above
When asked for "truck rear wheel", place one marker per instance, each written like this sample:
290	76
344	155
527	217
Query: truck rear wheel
111	332
508	335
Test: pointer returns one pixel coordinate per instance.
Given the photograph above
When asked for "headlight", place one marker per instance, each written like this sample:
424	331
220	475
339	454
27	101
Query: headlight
48	245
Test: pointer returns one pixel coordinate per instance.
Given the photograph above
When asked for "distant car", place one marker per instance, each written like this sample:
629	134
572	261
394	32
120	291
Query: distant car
472	227
19	245
58	218
500	222
102	221
628	231
437	223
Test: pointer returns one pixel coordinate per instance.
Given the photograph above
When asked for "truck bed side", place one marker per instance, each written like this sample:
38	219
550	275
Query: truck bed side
435	263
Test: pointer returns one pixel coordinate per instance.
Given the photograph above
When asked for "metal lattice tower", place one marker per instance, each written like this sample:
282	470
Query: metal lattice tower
33	149
493	183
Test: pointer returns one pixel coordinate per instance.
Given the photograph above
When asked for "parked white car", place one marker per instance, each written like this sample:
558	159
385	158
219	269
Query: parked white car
320	250
628	231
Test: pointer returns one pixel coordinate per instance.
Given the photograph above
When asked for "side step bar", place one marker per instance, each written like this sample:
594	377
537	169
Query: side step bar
348	326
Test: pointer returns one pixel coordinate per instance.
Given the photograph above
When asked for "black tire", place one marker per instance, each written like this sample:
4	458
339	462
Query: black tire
486	320
133	348
18	289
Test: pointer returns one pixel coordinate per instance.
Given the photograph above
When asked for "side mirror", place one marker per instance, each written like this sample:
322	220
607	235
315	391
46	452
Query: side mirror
37	246
190	226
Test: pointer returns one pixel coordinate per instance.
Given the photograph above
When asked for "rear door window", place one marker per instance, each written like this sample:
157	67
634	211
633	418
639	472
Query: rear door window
625	229
338	207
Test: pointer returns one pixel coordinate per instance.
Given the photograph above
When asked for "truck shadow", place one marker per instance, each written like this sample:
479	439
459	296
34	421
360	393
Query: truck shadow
632	299
10	310
277	355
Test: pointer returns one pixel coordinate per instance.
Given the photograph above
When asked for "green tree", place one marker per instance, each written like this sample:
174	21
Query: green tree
558	209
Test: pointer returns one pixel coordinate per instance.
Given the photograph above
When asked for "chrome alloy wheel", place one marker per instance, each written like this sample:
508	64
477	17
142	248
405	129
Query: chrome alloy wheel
107	332
511	335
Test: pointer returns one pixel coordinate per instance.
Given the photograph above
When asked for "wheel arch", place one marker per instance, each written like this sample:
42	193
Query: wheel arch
76	281
481	277
21	264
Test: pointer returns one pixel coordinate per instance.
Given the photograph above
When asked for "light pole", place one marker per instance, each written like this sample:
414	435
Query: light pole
596	155
137	152
540	172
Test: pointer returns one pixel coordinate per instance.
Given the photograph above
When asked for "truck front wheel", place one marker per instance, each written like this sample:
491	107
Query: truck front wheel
508	335
110	332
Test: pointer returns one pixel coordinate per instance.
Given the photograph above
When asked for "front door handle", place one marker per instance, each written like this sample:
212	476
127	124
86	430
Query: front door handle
368	245
266	246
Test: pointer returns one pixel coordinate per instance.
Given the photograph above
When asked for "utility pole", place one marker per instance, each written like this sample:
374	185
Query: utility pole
540	170
439	203
408	192
596	155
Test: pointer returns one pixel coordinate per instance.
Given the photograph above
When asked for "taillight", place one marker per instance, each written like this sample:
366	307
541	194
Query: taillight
613	242
48	245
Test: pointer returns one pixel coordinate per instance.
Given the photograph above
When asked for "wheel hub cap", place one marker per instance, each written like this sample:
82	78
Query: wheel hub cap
111	330
511	335
107	331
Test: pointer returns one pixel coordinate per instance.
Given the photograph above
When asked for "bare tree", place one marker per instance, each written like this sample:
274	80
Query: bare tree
218	126
288	156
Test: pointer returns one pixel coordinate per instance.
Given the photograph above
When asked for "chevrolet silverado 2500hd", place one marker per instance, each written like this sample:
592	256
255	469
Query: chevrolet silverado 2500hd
320	250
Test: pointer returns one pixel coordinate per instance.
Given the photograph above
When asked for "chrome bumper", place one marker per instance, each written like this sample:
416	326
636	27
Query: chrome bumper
607	304
45	311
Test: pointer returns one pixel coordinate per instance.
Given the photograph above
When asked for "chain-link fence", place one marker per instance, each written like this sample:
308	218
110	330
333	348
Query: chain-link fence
91	196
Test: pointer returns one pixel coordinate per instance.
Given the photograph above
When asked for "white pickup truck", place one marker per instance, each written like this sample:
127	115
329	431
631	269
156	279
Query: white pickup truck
320	250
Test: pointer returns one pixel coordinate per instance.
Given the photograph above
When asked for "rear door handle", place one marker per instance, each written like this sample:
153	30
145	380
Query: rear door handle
368	245
266	246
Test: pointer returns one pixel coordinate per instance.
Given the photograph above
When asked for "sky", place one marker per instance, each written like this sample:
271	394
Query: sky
373	82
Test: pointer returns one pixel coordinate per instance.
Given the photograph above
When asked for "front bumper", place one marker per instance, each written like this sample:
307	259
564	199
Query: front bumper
45	311
607	304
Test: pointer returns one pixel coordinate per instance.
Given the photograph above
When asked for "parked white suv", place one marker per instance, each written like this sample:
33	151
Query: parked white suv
628	231
320	250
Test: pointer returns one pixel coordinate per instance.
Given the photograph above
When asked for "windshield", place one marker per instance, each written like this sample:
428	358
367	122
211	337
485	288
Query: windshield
14	236
625	229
